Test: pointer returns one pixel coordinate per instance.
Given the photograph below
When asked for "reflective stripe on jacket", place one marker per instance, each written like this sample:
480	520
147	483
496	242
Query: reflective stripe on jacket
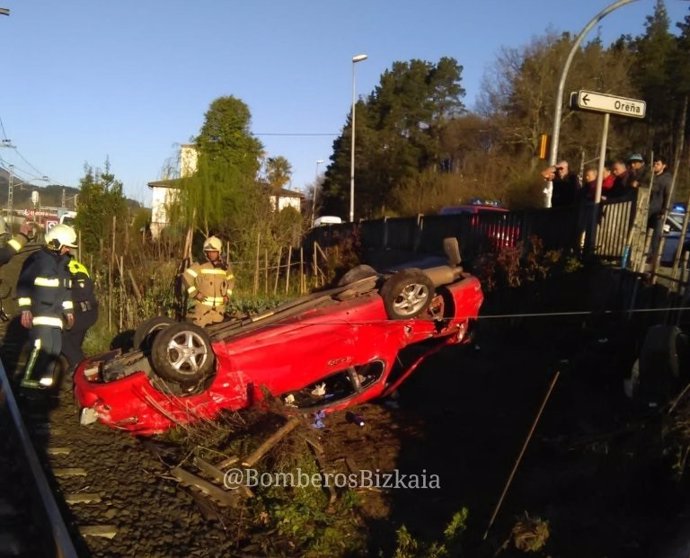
214	283
43	287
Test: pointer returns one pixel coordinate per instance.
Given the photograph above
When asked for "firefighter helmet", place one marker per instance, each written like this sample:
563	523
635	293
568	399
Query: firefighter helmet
213	244
61	235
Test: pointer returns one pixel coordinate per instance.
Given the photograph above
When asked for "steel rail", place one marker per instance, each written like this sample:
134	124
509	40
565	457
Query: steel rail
61	538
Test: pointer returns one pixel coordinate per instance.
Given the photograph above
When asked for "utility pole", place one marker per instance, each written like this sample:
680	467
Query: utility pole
10	194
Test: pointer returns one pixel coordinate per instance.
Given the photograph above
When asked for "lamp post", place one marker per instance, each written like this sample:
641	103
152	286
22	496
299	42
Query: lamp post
316	189
355	59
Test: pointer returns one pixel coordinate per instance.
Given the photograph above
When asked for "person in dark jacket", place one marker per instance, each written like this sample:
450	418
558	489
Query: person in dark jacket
85	312
658	200
566	184
623	185
638	170
46	305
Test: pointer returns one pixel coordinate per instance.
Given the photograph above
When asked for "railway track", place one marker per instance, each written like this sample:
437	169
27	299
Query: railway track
95	492
31	520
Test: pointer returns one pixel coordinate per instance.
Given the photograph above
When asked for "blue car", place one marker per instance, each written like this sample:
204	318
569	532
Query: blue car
672	229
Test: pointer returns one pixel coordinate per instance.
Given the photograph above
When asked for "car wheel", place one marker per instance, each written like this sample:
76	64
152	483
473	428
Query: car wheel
145	333
407	294
182	353
357	273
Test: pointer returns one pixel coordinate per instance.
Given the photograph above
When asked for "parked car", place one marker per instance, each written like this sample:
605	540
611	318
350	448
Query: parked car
329	350
672	231
327	220
489	223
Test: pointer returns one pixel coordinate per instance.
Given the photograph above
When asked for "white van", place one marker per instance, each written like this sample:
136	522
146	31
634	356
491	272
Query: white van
67	218
327	220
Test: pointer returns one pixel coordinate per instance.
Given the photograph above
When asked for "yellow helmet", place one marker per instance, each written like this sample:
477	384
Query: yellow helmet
213	244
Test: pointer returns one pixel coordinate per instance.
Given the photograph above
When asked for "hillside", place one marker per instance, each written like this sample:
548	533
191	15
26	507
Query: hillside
51	195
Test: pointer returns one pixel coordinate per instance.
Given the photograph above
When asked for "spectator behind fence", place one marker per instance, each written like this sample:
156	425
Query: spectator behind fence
658	200
623	188
566	184
638	171
589	188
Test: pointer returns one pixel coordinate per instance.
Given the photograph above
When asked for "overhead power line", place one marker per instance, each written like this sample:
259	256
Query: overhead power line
295	134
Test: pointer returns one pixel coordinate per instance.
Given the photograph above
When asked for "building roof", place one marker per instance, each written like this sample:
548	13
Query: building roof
176	182
283	193
169	183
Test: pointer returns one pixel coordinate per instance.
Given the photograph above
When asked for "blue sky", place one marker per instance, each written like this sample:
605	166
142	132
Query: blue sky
130	80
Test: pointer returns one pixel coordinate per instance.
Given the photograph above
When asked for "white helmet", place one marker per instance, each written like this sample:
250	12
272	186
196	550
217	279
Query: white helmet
213	244
61	235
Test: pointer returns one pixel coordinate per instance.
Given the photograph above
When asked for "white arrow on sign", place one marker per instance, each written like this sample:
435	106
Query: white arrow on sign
601	102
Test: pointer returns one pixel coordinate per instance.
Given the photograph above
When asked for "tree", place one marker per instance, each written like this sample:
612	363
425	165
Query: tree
224	185
654	53
278	173
100	200
399	127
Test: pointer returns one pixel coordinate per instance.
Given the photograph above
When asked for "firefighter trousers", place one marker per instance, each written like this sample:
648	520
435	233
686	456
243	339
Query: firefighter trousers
46	343
72	339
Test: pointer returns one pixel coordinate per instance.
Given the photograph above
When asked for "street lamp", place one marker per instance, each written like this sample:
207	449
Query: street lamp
316	189
355	59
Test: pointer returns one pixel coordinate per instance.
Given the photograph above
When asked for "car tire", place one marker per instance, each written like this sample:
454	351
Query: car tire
407	294
357	273
146	332
182	353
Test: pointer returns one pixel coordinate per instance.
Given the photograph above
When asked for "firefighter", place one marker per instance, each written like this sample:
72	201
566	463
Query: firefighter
209	285
16	243
46	305
85	312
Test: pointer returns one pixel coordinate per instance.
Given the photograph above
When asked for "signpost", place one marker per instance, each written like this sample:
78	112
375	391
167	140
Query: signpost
611	104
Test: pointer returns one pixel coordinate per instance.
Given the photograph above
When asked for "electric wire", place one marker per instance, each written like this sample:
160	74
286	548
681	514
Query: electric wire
296	134
2	127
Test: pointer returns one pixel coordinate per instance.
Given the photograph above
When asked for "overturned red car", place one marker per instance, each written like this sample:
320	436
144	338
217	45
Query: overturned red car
329	350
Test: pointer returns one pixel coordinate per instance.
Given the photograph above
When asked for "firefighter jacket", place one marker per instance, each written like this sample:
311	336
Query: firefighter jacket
14	244
43	287
83	295
213	282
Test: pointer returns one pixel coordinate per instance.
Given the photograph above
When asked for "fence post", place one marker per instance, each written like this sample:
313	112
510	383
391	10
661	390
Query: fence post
302	281
280	255
256	266
287	274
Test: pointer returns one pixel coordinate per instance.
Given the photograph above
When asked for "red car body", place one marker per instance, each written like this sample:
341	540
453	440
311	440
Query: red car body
346	348
489	222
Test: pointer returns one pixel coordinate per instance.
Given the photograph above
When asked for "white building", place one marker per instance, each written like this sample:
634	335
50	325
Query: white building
165	192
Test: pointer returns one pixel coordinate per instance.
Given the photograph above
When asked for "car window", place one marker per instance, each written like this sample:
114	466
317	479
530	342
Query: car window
674	223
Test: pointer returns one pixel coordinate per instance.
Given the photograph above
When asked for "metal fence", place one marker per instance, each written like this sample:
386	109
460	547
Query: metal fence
569	229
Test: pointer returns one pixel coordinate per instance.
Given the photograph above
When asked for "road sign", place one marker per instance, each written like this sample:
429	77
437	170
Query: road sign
602	102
